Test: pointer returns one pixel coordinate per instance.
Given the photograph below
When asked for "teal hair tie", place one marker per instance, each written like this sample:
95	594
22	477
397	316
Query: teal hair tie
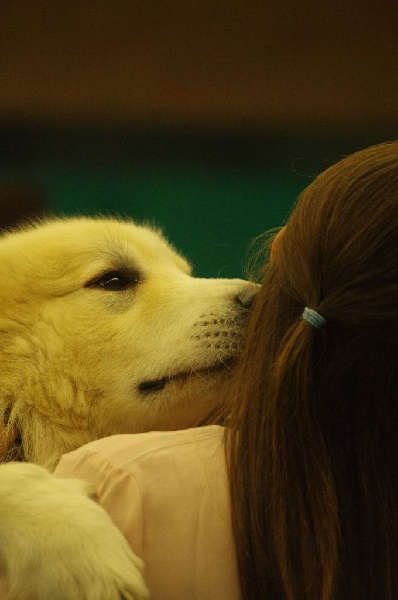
313	318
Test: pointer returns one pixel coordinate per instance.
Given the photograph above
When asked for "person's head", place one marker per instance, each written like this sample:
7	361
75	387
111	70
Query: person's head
315	472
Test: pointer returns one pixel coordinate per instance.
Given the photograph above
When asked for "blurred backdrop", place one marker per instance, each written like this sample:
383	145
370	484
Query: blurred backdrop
205	117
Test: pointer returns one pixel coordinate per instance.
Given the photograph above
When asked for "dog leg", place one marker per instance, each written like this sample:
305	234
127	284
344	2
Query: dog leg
55	542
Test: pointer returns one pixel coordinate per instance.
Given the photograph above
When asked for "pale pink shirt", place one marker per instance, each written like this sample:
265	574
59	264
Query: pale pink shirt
168	493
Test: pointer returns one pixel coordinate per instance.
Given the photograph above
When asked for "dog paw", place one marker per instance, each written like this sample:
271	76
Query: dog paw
55	542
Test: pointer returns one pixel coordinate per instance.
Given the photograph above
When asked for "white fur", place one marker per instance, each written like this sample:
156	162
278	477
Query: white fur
57	544
74	357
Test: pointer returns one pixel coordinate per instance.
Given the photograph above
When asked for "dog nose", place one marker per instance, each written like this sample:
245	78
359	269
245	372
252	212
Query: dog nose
247	295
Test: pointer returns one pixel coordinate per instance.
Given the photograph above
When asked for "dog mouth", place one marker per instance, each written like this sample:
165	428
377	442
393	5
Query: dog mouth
151	386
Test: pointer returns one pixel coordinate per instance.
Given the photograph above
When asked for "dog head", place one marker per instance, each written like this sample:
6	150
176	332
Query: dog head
103	330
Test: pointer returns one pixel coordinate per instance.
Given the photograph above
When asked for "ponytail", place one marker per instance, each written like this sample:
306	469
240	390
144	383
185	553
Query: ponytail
312	444
302	534
305	531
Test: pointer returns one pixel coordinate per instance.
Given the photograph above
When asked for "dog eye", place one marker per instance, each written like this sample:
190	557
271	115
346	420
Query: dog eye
114	281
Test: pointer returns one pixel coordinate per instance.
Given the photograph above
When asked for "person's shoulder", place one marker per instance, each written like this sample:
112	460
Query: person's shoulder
125	448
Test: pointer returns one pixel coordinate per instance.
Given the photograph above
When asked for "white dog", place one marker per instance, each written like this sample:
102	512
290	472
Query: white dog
103	330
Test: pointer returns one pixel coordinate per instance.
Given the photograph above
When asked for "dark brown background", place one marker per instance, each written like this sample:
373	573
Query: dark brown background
261	62
207	116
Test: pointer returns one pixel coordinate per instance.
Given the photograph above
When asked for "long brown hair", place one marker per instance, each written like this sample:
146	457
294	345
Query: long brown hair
312	447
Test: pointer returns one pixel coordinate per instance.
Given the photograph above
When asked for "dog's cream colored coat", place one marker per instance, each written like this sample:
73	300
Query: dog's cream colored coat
103	330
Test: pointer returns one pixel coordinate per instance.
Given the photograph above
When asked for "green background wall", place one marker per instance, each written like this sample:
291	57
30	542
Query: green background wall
211	192
209	217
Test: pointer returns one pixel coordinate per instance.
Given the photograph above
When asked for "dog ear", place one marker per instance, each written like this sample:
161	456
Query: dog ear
11	448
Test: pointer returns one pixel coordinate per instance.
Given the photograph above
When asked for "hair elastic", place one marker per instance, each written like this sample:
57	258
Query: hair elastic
313	318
